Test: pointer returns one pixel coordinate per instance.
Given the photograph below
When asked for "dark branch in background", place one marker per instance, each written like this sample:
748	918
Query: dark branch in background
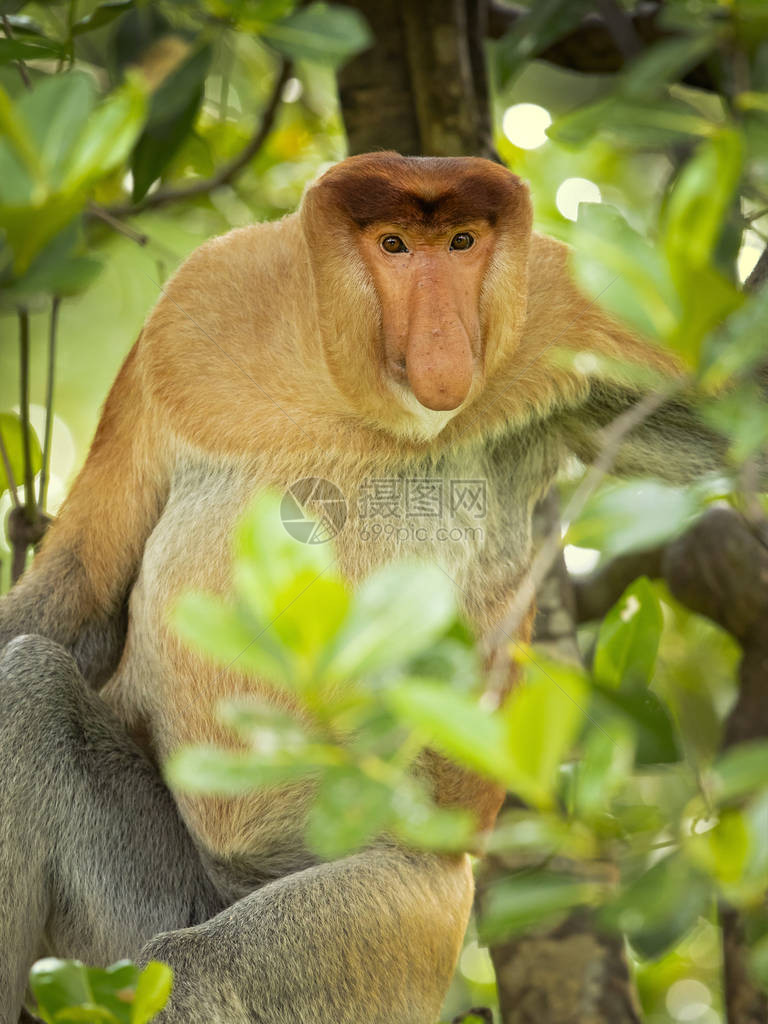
225	175
26	440
759	274
596	594
595	46
117	225
23	72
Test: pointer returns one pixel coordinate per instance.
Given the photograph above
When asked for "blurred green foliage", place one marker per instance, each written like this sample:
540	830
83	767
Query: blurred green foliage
67	991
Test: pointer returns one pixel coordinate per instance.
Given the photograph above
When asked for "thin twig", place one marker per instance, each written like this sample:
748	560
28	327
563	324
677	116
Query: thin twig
44	474
135	236
610	439
226	174
23	72
29	476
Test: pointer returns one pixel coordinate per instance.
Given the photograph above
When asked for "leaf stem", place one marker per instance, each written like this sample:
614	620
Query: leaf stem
44	469
29	476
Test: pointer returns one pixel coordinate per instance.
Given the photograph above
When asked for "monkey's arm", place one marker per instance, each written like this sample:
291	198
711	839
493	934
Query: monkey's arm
590	370
672	442
76	589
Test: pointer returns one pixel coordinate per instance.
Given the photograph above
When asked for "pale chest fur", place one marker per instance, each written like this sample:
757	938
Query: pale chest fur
468	511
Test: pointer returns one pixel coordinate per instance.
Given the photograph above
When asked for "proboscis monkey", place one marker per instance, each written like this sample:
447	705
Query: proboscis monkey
405	325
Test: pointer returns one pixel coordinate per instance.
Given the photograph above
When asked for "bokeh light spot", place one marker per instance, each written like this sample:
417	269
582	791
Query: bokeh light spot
525	125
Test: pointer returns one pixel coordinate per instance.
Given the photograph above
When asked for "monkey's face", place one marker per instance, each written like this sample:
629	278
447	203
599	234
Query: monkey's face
429	284
420	268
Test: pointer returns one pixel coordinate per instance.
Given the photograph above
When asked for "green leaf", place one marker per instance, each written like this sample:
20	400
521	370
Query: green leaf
631	515
152	992
531	899
655	733
172	114
55	112
209	625
617	266
56	270
29	49
420	823
722	851
58	985
542	717
269	558
657	909
666	61
629	636
13	439
632	123
700	199
349	810
327	33
740	772
102	15
396	613
456	725
739	344
207	769
543	23
313	610
108	136
741	415
267	727
604	768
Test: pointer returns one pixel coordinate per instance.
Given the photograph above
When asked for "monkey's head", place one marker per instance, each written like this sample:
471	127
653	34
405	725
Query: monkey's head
420	268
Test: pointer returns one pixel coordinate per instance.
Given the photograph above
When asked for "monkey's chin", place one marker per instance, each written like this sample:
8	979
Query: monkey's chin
418	421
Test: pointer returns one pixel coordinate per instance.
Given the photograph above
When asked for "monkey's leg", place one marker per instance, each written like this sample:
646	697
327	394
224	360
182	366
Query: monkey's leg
94	859
371	939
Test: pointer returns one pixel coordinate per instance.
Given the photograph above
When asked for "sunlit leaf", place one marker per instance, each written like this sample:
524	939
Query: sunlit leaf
108	136
723	850
455	724
697	204
12	435
152	992
395	614
542	717
628	641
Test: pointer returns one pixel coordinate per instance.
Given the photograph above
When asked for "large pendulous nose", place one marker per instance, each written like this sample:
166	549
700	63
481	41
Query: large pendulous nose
439	367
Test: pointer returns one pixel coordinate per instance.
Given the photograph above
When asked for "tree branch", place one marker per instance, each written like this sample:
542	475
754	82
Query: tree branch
593	46
225	175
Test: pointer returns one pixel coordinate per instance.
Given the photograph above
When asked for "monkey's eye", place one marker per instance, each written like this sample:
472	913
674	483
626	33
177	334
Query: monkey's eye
393	243
462	241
